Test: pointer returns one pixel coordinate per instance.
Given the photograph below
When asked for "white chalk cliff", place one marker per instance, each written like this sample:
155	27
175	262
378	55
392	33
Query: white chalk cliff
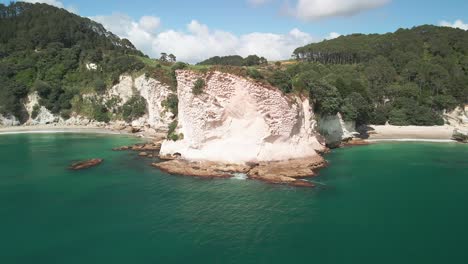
237	120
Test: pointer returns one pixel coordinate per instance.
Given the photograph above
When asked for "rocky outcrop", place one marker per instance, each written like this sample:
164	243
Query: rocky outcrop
289	172
236	120
85	164
239	125
204	169
457	117
43	116
460	135
9	121
336	130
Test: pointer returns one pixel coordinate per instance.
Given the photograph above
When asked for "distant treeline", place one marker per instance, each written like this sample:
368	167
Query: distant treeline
235	60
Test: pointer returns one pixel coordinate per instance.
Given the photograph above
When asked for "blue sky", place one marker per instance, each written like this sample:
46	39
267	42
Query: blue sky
194	30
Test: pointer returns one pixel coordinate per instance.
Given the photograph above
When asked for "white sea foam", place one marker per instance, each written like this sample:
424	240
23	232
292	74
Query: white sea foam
239	176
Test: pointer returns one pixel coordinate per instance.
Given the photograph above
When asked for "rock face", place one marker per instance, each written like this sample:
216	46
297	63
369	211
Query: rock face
236	120
156	120
152	91
8	121
458	117
155	93
336	130
44	116
460	135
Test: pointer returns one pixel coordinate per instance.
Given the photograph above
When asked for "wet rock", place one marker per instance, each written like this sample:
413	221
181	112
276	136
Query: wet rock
143	154
296	168
123	148
287	172
85	164
205	169
146	147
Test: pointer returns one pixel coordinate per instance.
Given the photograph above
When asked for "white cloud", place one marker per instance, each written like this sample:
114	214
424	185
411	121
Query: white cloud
141	33
333	35
457	24
55	3
317	9
199	42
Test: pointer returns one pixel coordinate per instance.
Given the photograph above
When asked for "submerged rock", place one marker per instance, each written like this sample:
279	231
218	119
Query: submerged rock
85	164
146	147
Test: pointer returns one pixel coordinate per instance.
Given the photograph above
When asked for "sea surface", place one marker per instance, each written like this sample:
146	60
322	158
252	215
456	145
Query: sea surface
383	203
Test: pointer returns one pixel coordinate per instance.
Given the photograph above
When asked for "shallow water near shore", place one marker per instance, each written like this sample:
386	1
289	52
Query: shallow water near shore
382	203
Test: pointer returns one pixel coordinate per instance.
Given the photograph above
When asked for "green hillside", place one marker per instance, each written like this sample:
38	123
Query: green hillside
46	49
407	78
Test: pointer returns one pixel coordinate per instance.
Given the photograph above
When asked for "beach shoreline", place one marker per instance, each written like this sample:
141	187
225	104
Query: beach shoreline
410	133
60	130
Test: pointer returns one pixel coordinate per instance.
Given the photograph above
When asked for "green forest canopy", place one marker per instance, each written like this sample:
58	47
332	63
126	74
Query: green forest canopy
46	49
407	78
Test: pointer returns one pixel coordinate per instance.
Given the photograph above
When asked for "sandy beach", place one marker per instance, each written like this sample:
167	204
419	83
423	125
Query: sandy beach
411	133
58	129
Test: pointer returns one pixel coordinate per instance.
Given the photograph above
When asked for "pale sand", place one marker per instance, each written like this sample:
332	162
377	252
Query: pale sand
58	129
411	133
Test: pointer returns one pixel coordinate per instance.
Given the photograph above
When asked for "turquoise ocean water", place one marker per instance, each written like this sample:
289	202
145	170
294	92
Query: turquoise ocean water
383	203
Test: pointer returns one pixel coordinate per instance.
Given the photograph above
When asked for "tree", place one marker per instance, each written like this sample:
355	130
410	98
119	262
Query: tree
172	58
164	57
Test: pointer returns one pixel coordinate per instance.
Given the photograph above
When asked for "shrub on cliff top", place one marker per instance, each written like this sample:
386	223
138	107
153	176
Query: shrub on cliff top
198	86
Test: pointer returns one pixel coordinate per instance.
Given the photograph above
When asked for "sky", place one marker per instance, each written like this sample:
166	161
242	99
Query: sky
195	30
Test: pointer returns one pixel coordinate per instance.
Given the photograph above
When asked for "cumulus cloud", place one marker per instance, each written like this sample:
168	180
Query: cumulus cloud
56	3
457	24
141	33
317	9
333	35
198	42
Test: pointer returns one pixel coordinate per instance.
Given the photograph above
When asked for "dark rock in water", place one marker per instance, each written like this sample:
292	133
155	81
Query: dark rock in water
121	148
86	164
147	147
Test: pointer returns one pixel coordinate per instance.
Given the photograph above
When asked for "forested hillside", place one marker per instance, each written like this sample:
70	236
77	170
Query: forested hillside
407	78
58	54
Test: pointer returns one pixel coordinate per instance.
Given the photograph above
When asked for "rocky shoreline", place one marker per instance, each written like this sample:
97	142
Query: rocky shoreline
289	172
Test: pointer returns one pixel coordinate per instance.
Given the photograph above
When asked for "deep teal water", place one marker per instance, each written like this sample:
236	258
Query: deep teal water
385	203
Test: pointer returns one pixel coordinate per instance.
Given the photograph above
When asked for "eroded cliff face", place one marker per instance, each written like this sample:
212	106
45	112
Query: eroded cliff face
236	120
152	91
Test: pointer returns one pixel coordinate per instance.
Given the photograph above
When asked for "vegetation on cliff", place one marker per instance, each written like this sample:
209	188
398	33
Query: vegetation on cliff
406	78
59	55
